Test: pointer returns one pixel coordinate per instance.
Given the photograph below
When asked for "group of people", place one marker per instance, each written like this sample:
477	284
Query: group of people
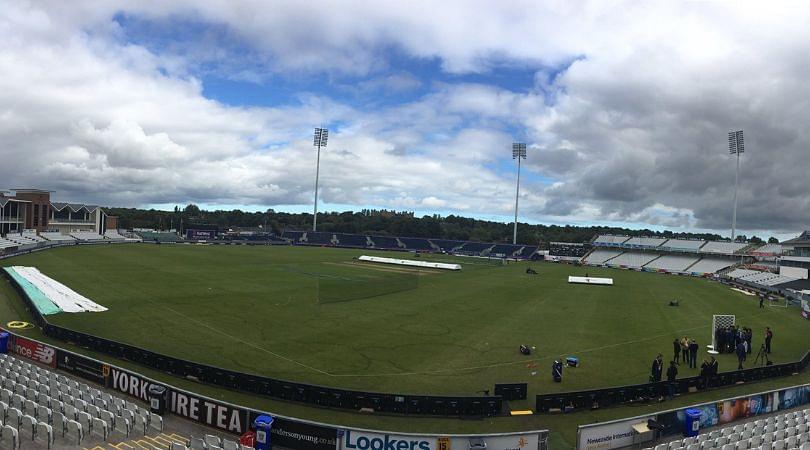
729	339
685	350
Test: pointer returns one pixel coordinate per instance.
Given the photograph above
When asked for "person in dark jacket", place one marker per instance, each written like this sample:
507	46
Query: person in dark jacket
705	369
740	355
714	368
768	337
672	372
657	369
676	349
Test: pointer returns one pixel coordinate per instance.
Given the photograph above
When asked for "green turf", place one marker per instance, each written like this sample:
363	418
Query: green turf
314	315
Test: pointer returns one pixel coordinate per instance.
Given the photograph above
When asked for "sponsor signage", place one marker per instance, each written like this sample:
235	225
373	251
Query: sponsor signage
201	234
199	409
208	412
35	351
612	435
302	436
83	367
364	440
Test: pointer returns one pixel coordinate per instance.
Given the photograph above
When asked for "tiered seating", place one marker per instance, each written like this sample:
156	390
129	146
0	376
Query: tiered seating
780	432
567	250
610	239
87	236
758	277
526	252
351	240
294	236
416	244
209	442
768	249
645	241
505	249
724	248
5	243
675	263
55	236
599	256
474	247
53	411
683	244
711	265
632	259
447	245
158	236
113	235
385	242
320	238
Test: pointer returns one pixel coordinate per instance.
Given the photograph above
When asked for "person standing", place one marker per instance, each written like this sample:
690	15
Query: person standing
768	337
705	369
693	351
685	349
748	336
761	301
714	367
657	369
672	372
740	355
676	349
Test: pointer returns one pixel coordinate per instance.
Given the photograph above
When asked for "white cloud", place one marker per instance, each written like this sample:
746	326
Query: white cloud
634	130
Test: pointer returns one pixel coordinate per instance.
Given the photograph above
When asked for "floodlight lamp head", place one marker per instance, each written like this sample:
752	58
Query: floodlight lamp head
518	150
321	136
736	142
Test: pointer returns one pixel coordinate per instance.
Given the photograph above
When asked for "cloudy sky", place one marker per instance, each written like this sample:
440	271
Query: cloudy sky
625	107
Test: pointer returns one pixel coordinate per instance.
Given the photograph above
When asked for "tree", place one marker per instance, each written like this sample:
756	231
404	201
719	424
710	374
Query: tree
192	210
773	240
756	240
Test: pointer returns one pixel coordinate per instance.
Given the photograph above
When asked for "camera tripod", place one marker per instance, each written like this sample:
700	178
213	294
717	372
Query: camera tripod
762	356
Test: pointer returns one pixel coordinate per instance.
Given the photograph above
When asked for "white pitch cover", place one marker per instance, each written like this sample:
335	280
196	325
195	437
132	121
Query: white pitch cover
62	296
591	280
410	262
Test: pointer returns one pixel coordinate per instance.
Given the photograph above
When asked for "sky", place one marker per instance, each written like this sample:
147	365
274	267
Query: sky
624	106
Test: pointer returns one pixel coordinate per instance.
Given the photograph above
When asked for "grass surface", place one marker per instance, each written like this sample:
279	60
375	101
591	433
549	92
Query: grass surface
318	316
310	314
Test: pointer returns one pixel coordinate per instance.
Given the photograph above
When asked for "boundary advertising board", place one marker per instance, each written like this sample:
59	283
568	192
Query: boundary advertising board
35	351
371	440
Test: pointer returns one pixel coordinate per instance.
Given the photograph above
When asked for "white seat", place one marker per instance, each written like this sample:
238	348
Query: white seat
107	417
100	428
197	444
215	441
156	422
14	417
791	442
29	425
233	445
44	414
178	446
59	423
11	438
805	446
741	445
123	426
18	401
45	432
729	447
76	431
30	408
755	441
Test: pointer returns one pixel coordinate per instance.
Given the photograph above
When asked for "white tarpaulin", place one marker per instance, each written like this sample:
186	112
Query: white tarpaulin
410	262
591	280
62	296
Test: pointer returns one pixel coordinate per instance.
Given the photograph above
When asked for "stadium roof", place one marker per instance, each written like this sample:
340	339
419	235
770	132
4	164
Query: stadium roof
4	200
73	206
802	240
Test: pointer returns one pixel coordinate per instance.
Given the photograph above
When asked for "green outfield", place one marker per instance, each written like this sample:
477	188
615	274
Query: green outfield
319	316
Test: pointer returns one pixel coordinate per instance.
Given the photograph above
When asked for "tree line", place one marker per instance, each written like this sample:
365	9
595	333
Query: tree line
385	223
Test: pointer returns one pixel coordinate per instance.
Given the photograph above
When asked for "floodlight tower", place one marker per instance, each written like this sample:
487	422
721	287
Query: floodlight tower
518	152
321	135
736	146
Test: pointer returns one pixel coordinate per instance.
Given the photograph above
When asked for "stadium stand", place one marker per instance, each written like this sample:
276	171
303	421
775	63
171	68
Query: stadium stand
56	236
600	256
113	235
48	410
674	263
768	250
610	239
89	236
632	259
683	245
320	238
385	242
759	277
723	248
447	245
790	430
474	247
506	250
568	250
711	265
294	236
417	244
645	242
158	236
351	240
